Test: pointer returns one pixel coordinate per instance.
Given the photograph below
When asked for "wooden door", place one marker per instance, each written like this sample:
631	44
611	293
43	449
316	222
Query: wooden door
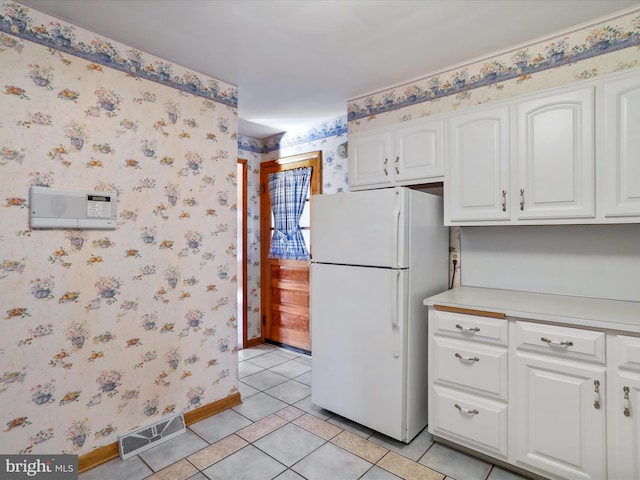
285	283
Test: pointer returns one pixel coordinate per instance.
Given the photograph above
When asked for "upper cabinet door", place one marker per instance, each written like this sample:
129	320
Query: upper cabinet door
620	172
419	151
370	161
407	154
555	157
477	164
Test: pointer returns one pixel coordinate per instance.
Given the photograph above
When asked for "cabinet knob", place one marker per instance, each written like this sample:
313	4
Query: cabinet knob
504	200
596	392
386	162
397	170
521	199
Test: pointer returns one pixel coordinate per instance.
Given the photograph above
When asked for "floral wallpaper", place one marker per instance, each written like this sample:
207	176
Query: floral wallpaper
107	330
325	136
593	50
32	25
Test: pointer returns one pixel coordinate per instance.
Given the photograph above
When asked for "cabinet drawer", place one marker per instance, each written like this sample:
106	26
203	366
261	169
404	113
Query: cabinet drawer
470	327
467	365
566	342
469	421
628	349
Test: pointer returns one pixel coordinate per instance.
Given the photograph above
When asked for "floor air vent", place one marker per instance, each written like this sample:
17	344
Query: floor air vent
143	438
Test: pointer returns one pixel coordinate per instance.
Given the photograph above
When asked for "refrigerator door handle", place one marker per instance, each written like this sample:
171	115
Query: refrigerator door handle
395	316
396	230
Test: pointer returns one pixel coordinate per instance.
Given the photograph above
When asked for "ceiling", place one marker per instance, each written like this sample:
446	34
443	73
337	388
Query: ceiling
297	62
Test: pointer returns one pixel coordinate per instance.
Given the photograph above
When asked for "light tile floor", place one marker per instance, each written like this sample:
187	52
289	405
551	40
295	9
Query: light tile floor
277	433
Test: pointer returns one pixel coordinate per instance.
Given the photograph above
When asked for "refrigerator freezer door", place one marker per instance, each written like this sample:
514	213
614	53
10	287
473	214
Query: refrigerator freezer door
358	332
361	228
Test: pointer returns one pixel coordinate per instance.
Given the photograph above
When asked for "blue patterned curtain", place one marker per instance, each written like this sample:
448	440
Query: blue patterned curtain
288	194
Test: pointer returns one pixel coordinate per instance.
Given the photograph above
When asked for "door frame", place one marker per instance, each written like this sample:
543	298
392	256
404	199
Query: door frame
242	184
314	159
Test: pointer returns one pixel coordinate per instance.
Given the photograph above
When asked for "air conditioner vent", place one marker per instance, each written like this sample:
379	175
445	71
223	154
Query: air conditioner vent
143	438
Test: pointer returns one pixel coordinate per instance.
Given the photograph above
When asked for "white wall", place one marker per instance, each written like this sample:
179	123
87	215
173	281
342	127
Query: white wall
600	261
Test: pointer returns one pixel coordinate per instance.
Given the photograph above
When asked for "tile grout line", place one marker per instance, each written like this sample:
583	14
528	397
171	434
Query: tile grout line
326	421
252	443
317	419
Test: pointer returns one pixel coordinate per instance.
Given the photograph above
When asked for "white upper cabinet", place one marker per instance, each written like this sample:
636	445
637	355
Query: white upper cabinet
529	162
406	154
555	156
369	155
570	155
477	164
619	172
419	151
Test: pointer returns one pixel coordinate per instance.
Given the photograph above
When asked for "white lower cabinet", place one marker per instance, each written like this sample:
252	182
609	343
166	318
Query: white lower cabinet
468	370
558	418
559	401
470	420
623	411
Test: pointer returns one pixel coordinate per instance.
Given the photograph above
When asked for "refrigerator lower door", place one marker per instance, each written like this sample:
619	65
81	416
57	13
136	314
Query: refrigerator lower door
358	335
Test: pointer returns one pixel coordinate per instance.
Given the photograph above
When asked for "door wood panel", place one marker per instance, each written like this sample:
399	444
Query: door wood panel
284	286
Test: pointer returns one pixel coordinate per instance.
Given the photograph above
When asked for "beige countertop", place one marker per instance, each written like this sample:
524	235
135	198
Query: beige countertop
564	309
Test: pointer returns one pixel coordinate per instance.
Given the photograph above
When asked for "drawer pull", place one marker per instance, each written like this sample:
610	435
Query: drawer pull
627	403
468	359
464	410
567	343
596	391
467	329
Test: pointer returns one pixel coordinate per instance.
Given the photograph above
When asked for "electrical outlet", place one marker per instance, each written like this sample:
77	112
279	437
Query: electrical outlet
454	266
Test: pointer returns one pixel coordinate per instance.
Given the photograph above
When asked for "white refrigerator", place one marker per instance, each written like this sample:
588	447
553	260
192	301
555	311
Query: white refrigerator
376	255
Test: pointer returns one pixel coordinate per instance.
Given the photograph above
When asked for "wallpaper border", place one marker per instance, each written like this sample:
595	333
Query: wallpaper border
600	38
16	20
330	128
